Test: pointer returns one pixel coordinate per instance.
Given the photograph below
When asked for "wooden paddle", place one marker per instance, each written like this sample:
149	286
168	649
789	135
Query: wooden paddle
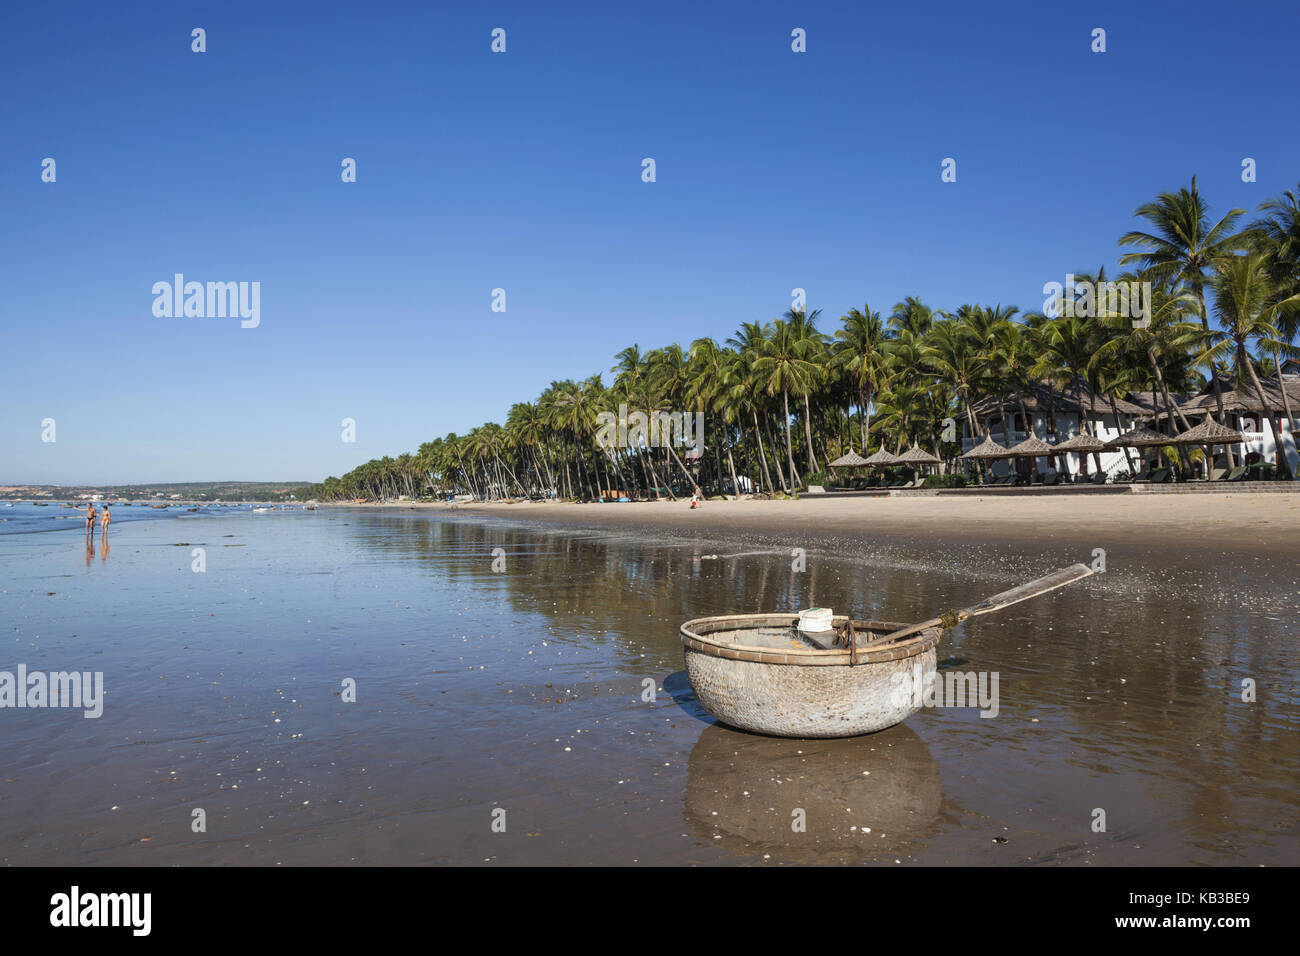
1050	582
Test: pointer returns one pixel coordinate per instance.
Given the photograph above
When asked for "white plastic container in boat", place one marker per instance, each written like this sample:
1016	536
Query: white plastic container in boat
815	620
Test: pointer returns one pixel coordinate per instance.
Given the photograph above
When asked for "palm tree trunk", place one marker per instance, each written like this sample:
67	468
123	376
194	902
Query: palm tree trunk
1286	404
1173	411
807	431
762	455
1128	460
789	446
776	460
1279	456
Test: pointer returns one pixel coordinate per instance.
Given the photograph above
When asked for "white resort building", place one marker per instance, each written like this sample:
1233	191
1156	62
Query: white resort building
1056	415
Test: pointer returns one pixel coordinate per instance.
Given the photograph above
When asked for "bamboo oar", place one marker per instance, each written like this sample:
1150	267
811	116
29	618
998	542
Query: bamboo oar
1050	582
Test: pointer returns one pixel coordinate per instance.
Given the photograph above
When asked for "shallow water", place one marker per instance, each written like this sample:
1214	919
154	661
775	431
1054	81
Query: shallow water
522	690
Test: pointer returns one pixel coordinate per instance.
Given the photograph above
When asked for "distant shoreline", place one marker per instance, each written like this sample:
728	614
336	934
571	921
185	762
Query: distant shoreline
1254	523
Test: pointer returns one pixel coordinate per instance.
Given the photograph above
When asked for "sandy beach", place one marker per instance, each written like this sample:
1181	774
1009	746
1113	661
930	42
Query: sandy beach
500	656
1268	523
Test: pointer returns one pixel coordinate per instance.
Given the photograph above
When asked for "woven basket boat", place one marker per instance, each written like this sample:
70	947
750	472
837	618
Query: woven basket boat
757	672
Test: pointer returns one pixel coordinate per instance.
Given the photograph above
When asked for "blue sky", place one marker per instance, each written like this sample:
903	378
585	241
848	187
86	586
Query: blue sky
522	171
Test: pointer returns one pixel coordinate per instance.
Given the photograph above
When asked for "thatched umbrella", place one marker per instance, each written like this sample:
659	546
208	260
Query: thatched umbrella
1139	437
849	460
987	449
915	456
1208	433
1032	447
1083	443
881	459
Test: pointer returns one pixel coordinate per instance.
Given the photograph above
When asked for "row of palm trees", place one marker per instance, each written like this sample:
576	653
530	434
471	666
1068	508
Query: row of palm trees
783	398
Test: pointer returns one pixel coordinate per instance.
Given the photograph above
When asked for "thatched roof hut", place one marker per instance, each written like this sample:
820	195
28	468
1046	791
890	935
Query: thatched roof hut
1042	396
1242	400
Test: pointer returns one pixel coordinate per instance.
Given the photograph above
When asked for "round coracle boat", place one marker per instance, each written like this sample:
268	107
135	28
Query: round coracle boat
814	675
760	673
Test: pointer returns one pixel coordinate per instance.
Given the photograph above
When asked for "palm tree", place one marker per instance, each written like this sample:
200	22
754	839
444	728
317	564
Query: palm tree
812	349
1246	307
781	366
1184	249
859	352
949	352
1278	237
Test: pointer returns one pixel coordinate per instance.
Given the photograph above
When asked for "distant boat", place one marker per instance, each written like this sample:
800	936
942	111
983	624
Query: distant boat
41	504
260	511
158	506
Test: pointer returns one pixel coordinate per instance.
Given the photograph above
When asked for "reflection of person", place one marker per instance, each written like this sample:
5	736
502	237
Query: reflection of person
103	547
103	520
90	518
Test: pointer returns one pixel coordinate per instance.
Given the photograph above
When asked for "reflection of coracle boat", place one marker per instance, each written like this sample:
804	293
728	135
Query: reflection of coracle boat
857	798
760	672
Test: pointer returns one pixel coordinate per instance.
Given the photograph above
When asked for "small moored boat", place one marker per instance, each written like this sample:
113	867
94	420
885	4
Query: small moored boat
762	673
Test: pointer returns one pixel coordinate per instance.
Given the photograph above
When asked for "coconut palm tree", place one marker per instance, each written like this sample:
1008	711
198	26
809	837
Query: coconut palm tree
1247	309
859	354
1278	237
812	349
1185	249
782	367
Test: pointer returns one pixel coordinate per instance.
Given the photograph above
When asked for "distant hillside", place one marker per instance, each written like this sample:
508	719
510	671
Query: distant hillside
186	491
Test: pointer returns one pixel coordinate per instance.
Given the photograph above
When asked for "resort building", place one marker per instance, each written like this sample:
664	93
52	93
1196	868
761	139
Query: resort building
1243	411
1055	415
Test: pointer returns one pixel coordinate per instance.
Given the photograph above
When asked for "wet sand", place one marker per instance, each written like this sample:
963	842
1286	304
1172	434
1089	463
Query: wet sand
522	687
1246	522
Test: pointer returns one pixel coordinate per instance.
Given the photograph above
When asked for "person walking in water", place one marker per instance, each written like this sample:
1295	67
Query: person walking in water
90	518
103	520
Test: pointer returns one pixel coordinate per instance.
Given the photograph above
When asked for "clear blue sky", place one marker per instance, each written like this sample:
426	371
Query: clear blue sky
523	171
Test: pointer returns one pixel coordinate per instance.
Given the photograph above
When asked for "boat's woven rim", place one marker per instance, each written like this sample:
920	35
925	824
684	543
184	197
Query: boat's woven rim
694	635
